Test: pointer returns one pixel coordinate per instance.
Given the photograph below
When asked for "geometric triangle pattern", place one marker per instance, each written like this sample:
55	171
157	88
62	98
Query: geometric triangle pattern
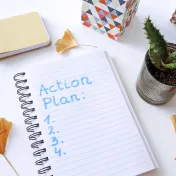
108	17
173	19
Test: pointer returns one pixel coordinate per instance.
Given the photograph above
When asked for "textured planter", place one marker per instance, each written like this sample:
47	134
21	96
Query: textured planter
150	89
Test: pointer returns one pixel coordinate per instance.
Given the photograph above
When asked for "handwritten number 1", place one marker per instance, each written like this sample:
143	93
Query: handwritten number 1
51	130
47	120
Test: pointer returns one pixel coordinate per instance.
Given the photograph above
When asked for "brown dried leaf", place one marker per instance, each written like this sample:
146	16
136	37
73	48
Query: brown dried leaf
67	42
5	127
174	121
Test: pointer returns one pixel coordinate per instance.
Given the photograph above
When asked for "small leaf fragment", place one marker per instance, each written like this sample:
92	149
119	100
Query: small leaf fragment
67	42
173	19
172	57
5	128
174	121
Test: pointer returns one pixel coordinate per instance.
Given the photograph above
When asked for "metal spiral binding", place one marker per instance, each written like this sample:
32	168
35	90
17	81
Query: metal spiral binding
27	113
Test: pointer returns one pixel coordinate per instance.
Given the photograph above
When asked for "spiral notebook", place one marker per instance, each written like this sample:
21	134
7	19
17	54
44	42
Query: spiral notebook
80	121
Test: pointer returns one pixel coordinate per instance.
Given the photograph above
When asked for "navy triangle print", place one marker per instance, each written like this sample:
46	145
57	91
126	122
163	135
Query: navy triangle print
110	9
89	1
89	12
104	19
118	13
107	29
122	2
116	23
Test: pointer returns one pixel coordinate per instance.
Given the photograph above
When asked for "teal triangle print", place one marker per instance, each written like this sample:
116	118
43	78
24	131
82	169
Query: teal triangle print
102	31
97	19
88	22
101	12
95	28
104	22
114	12
108	2
109	16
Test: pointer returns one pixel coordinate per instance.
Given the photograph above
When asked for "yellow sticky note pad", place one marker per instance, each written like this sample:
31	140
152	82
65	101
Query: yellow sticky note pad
22	33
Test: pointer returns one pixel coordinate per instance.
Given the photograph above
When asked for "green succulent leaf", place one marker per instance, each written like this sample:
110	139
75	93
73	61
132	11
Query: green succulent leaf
172	57
155	59
156	40
171	66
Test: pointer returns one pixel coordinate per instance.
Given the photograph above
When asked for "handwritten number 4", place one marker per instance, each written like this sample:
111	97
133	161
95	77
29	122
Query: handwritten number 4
51	130
55	141
58	152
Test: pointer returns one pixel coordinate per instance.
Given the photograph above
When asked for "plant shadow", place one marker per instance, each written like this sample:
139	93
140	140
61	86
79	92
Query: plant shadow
151	173
134	35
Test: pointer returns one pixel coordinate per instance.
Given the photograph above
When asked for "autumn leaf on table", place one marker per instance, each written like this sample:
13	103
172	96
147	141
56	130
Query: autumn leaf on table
67	42
174	121
5	128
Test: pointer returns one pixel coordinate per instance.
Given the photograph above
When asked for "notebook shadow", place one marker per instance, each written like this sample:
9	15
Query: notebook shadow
171	104
151	173
155	172
134	35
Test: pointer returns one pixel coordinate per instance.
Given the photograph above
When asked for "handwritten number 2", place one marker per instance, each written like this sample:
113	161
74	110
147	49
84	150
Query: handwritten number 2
51	130
55	141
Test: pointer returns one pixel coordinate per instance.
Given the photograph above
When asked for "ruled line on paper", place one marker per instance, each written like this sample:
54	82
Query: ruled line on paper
90	122
101	136
93	127
85	112
104	164
89	117
73	73
102	146
99	154
131	166
115	166
112	149
111	144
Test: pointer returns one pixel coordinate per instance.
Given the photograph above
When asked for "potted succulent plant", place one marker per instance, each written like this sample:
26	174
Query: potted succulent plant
156	83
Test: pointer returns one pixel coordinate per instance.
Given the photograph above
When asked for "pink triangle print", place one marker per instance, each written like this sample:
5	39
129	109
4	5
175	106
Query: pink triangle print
105	12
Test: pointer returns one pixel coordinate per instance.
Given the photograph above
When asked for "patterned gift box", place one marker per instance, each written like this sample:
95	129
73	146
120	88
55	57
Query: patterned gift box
108	17
173	19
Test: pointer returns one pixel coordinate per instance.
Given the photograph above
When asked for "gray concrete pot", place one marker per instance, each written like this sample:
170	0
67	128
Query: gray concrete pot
150	89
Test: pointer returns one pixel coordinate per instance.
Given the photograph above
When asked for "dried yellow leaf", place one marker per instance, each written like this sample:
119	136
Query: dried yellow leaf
67	42
174	121
5	127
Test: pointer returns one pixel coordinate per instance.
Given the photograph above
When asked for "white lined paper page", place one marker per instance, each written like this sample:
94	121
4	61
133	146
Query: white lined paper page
87	126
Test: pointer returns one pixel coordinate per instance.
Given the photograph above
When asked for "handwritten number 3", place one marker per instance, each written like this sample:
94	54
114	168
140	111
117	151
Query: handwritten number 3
51	130
55	141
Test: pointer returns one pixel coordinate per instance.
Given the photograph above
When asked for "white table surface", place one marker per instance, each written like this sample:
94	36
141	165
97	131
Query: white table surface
128	53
